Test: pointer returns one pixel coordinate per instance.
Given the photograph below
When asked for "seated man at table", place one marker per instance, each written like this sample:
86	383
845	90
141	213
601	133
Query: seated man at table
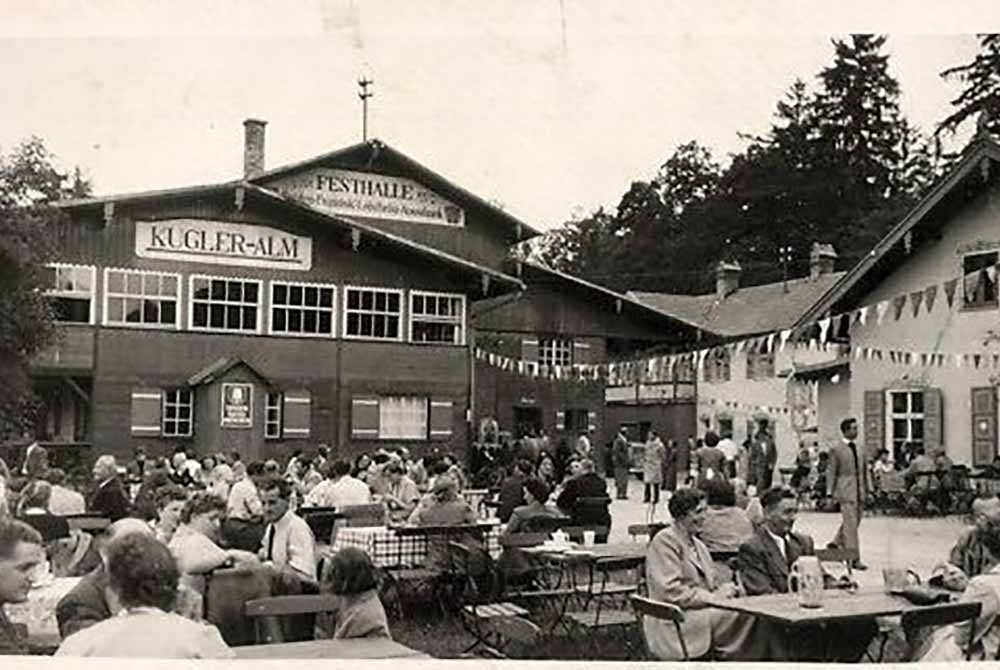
512	490
244	527
109	499
587	485
765	560
64	500
971	553
514	565
400	493
339	489
679	571
34	511
21	553
444	507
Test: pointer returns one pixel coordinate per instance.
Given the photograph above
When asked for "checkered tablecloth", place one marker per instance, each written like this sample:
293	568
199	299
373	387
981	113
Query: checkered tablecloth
389	550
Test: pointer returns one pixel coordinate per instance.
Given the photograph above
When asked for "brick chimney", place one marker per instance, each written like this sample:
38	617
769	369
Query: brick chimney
727	278
821	259
253	147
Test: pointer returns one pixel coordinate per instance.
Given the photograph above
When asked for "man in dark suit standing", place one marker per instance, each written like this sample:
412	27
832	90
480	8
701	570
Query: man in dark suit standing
587	485
764	559
845	482
109	499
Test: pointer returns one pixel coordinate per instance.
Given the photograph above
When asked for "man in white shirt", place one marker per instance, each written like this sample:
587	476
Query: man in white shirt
288	544
730	450
339	489
243	527
401	494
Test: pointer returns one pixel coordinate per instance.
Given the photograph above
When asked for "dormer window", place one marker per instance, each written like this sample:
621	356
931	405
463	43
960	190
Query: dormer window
979	280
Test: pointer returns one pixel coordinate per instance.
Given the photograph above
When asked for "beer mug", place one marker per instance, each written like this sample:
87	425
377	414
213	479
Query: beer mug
897	578
806	574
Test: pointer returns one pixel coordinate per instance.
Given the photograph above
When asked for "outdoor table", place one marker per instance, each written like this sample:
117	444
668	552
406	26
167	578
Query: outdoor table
354	648
38	613
839	607
388	549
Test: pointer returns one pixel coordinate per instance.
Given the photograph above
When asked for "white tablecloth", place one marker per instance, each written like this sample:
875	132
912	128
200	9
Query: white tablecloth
39	611
388	550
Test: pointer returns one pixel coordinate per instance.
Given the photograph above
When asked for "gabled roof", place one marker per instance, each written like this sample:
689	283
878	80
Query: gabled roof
747	311
376	155
345	223
216	369
893	249
603	293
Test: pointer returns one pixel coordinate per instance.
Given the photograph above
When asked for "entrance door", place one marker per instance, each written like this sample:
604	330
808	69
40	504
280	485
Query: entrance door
527	420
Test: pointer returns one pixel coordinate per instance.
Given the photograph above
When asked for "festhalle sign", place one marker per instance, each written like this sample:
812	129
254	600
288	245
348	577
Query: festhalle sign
222	243
372	195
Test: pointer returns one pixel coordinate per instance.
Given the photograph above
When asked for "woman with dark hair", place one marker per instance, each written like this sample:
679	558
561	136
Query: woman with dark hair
725	526
679	570
547	469
144	506
143	579
194	544
170	501
361	465
359	613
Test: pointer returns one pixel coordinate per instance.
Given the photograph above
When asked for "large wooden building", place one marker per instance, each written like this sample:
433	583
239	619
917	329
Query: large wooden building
328	301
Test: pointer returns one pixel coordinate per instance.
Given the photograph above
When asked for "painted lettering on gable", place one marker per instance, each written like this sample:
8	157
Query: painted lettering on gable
348	193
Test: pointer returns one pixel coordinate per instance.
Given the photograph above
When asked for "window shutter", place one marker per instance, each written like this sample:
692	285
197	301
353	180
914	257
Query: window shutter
296	407
581	353
984	425
441	418
147	412
592	421
560	420
364	418
874	422
933	425
529	350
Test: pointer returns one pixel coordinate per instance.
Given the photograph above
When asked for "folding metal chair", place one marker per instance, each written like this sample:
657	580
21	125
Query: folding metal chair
664	612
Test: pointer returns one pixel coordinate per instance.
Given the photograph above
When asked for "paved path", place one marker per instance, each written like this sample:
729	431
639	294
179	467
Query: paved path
885	540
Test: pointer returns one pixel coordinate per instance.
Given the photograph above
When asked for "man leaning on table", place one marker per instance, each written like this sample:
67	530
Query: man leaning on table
846	483
764	562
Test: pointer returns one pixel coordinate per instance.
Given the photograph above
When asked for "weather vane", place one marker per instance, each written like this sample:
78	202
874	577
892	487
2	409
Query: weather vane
364	94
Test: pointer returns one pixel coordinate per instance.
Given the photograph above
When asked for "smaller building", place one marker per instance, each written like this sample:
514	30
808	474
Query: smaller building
762	376
923	309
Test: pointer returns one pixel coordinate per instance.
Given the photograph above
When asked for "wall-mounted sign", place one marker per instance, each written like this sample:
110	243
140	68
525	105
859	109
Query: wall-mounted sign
237	405
373	195
222	243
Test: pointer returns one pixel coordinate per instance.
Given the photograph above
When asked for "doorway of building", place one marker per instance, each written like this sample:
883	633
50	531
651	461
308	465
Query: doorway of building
527	421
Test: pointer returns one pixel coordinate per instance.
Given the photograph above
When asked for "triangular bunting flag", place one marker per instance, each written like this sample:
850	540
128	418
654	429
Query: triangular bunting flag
770	343
783	337
824	326
863	314
898	303
881	309
958	360
949	291
929	294
739	346
857	352
916	298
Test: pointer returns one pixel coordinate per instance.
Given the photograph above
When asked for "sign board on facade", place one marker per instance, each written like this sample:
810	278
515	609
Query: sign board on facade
371	195
237	405
222	243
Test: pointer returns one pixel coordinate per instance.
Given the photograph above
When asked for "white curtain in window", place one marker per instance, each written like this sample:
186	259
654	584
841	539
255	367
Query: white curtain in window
402	418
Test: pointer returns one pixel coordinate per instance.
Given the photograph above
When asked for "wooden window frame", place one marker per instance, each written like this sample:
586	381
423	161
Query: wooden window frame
260	304
125	295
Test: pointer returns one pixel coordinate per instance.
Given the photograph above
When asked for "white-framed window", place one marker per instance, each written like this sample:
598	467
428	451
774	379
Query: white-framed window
402	418
555	351
272	416
904	419
225	304
372	313
437	317
302	309
760	364
71	289
141	299
979	279
178	413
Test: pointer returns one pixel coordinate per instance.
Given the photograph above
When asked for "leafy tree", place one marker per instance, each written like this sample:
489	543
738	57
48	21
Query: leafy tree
29	184
981	87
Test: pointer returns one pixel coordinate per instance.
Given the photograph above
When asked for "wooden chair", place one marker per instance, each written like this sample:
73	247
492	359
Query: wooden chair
664	612
938	616
603	618
493	623
279	607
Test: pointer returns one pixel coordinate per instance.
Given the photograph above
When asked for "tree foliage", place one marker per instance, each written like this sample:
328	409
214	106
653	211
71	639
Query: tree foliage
839	165
981	87
29	185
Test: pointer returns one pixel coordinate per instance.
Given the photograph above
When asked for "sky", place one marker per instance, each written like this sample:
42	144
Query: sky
548	107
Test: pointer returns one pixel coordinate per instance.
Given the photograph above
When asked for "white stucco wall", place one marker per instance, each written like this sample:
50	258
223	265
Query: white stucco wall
943	330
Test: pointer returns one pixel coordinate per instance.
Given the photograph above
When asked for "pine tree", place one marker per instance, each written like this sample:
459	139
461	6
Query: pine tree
981	92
